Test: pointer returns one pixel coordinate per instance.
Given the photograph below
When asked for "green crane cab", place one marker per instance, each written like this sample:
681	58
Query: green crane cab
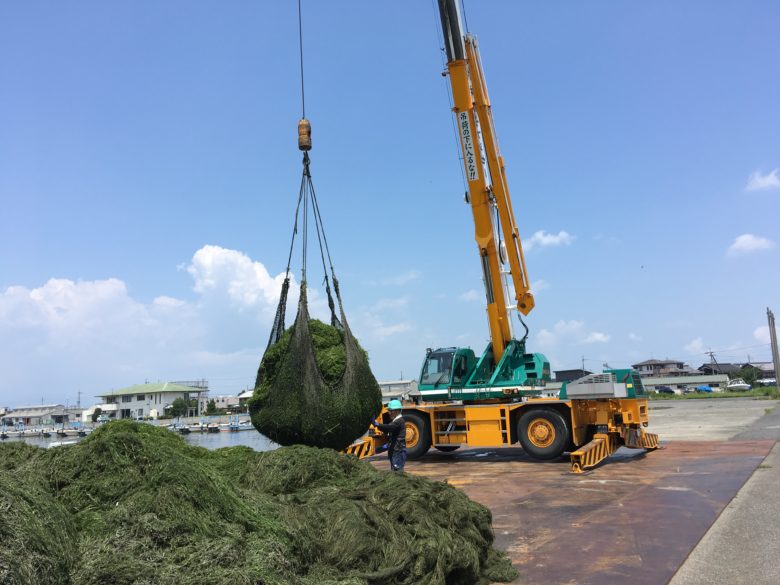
455	373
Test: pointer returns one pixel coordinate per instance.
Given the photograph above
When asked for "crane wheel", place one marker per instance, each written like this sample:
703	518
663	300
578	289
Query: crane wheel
418	435
543	433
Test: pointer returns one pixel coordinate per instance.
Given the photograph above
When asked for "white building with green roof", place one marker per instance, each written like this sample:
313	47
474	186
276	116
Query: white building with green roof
146	400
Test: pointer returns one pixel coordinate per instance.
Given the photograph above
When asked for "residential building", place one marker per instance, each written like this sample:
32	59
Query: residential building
38	415
685	382
222	402
148	400
244	397
665	367
720	368
399	389
763	369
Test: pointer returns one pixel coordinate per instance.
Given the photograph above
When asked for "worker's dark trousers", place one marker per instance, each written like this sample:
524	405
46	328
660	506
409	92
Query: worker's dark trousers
397	460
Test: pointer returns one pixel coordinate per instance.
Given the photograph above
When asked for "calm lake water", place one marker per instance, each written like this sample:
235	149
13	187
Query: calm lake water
249	438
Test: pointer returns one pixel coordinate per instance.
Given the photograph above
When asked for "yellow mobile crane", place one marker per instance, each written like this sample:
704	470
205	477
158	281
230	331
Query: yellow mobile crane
499	398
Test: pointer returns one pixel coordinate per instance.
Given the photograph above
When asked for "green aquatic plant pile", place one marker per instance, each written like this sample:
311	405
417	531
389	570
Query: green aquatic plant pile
134	504
314	387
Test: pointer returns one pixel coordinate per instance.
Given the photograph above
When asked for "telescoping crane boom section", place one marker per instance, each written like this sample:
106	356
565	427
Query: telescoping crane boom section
496	232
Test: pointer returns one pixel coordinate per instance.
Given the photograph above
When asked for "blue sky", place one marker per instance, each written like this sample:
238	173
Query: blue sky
149	169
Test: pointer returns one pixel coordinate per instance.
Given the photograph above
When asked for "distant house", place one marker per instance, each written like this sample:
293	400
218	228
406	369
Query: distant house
569	375
728	369
399	389
222	402
148	400
763	369
244	397
31	416
666	367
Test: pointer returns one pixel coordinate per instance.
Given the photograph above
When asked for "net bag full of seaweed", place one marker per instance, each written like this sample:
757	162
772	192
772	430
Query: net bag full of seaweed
314	385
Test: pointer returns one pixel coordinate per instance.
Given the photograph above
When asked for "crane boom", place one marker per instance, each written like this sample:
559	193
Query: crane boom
496	233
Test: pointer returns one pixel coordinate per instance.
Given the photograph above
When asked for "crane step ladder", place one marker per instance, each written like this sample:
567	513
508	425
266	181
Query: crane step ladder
605	444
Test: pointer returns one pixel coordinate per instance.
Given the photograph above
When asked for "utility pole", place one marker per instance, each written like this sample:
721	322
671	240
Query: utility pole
78	403
714	361
773	338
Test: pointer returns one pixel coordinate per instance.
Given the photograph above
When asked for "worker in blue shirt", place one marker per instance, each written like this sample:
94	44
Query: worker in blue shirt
396	433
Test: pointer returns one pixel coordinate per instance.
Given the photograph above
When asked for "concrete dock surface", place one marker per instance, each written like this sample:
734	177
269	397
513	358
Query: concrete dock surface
637	517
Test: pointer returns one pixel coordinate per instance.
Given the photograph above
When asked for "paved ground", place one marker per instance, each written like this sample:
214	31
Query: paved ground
742	546
706	419
639	518
632	520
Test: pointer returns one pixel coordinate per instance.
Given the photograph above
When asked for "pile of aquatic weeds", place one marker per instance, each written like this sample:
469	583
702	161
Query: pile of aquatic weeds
134	504
315	387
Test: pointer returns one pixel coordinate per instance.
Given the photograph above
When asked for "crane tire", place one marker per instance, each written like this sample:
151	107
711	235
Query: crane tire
543	433
447	448
418	435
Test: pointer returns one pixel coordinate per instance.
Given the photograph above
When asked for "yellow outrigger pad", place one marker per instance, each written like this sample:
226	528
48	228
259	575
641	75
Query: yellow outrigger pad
605	444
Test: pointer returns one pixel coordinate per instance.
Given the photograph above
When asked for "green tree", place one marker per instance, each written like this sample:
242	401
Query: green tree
96	414
211	407
749	374
179	407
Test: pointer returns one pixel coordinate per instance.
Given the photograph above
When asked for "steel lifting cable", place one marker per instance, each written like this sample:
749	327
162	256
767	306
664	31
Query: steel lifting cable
308	197
300	52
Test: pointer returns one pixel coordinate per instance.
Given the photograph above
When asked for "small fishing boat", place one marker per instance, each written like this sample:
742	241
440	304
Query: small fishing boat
212	428
738	384
184	430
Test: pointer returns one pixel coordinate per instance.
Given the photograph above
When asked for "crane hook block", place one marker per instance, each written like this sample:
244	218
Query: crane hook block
304	134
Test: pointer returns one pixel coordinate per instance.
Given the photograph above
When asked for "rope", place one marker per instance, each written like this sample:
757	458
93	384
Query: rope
300	52
305	237
318	217
321	237
465	19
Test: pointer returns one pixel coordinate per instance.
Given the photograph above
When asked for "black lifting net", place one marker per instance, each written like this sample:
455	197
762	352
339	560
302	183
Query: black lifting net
314	385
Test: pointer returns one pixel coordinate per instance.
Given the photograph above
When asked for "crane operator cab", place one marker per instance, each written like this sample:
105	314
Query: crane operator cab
455	373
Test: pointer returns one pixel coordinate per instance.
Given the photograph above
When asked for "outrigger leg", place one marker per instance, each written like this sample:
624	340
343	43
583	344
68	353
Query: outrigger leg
605	444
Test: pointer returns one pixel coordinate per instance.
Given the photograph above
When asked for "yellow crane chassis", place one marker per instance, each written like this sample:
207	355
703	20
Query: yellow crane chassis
590	430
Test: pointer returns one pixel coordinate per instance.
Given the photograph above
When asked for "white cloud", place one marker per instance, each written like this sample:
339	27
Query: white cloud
759	182
539	285
246	282
747	243
542	239
395	303
66	335
634	337
471	295
396	280
596	337
384	331
695	346
762	334
568	332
